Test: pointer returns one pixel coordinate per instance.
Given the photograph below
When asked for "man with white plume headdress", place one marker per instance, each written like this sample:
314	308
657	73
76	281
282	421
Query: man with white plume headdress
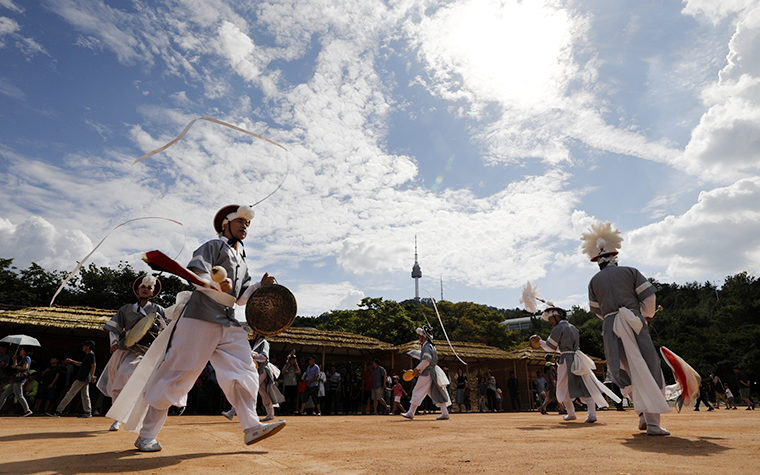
575	373
625	300
431	380
124	360
207	330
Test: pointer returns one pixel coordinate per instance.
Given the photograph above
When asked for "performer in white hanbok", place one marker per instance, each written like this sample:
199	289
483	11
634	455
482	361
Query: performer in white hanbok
625	300
208	331
431	380
268	374
575	377
124	360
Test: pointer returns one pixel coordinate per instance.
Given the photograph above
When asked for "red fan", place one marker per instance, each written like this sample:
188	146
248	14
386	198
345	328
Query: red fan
159	261
685	375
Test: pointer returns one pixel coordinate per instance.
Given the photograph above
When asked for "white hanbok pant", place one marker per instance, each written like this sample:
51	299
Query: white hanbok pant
563	393
194	343
120	367
422	389
265	399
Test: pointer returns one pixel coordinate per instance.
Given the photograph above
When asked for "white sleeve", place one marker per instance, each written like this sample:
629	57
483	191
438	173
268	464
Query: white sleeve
247	293
649	306
547	347
207	277
113	338
424	363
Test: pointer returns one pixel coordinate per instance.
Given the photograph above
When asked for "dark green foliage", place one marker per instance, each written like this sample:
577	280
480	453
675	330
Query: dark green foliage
395	323
385	320
92	286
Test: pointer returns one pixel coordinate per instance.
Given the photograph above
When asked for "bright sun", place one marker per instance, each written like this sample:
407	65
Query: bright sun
516	53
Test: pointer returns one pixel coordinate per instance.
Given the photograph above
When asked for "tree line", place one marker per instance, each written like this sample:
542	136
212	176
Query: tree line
713	329
92	286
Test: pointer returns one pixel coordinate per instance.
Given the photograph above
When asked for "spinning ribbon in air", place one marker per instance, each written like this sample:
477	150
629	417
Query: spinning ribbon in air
444	329
83	261
225	124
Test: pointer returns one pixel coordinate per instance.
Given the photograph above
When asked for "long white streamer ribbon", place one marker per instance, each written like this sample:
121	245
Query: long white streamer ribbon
647	395
584	367
444	328
83	261
233	127
158	150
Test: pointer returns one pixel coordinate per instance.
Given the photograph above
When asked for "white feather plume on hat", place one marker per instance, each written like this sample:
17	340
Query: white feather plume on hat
601	240
530	294
148	281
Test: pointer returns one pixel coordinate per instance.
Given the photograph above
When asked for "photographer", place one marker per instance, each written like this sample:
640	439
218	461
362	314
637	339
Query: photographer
290	373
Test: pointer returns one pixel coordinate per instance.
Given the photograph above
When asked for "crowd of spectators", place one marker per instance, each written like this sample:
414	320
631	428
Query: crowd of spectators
343	388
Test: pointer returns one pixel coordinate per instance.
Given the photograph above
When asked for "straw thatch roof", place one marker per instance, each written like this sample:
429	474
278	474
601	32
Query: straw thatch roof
50	318
311	340
469	352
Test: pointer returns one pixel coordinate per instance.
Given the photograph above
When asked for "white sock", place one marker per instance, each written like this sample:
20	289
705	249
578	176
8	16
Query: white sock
653	419
570	408
589	402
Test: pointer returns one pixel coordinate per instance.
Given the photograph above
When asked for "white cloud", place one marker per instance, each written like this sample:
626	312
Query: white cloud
724	146
8	26
28	46
238	48
103	130
719	235
11	6
8	89
36	240
89	42
315	299
717	10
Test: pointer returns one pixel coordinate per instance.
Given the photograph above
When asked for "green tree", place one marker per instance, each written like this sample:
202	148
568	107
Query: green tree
385	320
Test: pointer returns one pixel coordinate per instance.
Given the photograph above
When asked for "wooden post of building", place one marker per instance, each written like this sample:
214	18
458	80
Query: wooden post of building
323	358
527	382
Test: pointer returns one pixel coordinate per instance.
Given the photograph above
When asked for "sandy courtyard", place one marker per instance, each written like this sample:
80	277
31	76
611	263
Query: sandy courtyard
719	442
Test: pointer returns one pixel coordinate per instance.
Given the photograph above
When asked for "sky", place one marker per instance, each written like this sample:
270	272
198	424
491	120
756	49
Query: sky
495	132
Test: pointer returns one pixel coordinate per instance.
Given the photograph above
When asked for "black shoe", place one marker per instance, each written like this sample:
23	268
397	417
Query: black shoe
711	409
696	409
84	416
53	414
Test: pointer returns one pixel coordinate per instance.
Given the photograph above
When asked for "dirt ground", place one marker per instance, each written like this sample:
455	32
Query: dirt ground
718	442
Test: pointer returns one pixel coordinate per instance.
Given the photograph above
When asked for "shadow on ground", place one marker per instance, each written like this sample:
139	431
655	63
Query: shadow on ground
109	462
674	445
52	435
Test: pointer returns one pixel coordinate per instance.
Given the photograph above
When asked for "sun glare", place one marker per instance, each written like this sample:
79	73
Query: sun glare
516	53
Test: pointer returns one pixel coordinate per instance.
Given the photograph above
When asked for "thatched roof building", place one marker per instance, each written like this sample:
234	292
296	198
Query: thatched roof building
469	352
339	346
60	330
56	320
311	340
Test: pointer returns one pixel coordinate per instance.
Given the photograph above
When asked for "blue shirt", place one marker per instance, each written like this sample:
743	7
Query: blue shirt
27	360
312	372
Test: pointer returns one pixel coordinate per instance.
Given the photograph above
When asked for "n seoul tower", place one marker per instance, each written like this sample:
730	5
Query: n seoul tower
416	273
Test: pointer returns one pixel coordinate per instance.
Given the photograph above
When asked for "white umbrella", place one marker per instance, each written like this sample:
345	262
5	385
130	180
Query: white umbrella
21	340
